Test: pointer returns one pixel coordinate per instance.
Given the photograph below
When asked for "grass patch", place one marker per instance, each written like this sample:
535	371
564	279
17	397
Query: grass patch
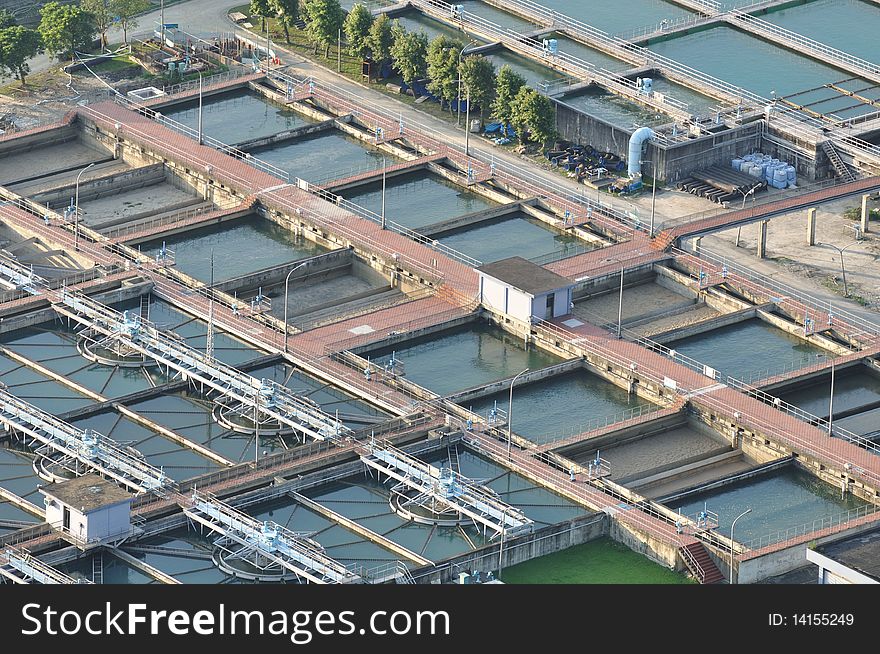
602	561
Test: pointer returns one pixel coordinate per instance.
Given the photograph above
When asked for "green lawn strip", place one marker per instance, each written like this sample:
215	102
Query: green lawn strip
602	561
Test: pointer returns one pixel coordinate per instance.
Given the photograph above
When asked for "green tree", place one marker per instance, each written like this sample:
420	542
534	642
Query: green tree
533	112
17	45
409	51
324	19
381	38
6	19
443	68
101	14
478	78
357	31
507	85
127	11
287	12
262	9
65	28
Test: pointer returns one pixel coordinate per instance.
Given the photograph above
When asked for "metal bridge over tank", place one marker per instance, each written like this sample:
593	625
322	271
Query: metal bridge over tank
266	545
262	397
444	489
21	567
80	446
20	277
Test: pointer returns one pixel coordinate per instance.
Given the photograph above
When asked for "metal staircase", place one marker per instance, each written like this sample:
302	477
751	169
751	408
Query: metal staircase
843	171
698	561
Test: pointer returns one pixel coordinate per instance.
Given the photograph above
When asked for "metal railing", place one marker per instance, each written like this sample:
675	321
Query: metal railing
805	416
665	25
575	434
206	82
843	59
819	527
161	221
563	61
343	101
393	226
764	373
785	293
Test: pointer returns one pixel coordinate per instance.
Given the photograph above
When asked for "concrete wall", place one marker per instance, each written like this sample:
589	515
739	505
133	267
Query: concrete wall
39	140
576	126
677	161
541	542
109	185
646	545
277	274
789	558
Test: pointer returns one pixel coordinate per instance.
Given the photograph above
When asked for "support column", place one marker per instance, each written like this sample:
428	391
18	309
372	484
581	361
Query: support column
697	242
811	227
762	239
866	213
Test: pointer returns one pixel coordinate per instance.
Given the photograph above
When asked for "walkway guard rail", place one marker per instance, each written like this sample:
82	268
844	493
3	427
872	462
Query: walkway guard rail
829	524
761	284
806	416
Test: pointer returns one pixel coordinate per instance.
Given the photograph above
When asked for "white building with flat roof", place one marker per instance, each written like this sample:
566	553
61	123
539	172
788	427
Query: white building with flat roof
89	510
524	290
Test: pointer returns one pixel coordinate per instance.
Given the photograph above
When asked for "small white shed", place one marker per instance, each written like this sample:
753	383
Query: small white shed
524	290
90	509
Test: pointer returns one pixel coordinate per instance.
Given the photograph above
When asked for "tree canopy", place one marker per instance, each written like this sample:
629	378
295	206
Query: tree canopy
126	11
324	19
65	28
17	45
409	51
102	15
357	31
508	84
478	77
381	38
287	12
533	112
443	67
262	9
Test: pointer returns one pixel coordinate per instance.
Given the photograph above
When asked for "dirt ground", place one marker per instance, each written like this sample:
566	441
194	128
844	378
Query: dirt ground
51	94
787	247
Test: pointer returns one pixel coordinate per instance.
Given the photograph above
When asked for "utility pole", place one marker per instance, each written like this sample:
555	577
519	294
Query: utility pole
620	305
467	123
383	192
339	51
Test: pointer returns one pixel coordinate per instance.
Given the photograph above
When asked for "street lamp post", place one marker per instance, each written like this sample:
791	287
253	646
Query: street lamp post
620	305
733	524
286	281
76	209
842	264
200	106
510	409
746	194
831	396
458	113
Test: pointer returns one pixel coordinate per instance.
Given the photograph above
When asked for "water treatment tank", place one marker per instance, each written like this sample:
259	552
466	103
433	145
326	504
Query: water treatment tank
736	164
